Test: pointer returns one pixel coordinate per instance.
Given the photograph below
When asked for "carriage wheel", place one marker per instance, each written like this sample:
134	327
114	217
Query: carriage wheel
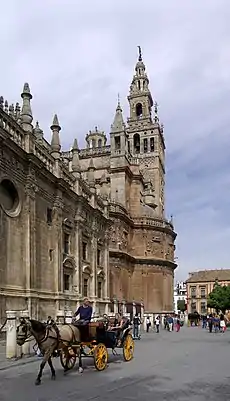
128	348
100	357
68	363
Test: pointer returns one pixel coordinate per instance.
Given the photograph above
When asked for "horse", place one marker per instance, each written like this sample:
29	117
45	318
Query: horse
49	338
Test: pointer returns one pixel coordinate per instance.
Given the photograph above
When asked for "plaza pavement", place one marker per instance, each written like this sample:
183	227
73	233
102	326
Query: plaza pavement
190	365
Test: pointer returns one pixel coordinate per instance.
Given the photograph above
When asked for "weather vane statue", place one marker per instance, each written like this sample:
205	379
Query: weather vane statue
140	55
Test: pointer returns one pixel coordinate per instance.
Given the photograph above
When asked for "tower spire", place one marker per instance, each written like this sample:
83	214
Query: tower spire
118	122
26	113
55	141
140	53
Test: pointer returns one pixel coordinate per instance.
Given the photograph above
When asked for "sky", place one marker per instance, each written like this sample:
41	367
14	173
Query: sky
78	55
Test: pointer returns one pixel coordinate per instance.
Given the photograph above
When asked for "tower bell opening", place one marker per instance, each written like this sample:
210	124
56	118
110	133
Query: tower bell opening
139	111
136	143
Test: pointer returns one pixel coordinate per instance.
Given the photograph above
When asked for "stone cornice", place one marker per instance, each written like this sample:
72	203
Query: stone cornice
156	262
121	255
142	261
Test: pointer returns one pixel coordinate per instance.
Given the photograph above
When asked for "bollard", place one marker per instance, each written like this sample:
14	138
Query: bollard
68	317
26	345
60	317
11	326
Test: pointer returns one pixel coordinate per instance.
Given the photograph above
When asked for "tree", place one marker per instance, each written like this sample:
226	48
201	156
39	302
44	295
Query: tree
219	298
181	305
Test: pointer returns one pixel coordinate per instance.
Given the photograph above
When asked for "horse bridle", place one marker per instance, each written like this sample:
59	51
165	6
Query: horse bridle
25	329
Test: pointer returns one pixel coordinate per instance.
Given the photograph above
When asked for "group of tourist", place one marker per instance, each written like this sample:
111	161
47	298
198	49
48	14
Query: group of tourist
214	323
170	322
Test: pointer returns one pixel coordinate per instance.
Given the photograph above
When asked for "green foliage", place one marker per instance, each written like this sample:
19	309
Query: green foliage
181	305
219	298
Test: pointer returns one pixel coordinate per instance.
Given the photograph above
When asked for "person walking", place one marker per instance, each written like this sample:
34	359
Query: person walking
157	324
170	323
210	323
136	324
222	324
178	325
148	324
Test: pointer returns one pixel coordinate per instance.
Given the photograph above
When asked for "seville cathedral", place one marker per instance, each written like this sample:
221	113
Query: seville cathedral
85	222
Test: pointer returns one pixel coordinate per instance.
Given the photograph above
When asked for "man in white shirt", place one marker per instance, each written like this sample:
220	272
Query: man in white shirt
157	323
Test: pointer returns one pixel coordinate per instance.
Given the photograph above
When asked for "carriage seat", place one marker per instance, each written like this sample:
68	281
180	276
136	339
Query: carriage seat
89	332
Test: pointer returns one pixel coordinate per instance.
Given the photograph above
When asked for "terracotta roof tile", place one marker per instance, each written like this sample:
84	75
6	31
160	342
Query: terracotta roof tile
209	275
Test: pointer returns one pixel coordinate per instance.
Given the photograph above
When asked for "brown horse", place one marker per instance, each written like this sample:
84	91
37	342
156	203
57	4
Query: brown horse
49	339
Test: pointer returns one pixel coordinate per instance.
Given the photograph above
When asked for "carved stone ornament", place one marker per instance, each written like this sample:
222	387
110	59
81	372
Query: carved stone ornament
58	203
7	158
31	188
69	263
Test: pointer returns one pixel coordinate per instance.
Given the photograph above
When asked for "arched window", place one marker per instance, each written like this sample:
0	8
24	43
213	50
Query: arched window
139	110
99	289
145	145
93	143
85	287
136	143
117	141
68	268
99	143
139	85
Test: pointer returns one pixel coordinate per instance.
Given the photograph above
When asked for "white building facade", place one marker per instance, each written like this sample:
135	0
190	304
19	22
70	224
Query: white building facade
180	294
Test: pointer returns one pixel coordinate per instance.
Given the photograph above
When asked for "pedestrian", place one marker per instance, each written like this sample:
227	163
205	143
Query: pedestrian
216	323
136	324
222	324
177	325
210	323
148	324
204	322
170	323
157	324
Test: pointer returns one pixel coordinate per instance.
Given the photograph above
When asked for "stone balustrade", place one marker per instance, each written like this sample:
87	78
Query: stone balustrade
12	128
151	221
89	152
43	155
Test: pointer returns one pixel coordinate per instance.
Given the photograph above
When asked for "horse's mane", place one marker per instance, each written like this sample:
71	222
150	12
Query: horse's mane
37	326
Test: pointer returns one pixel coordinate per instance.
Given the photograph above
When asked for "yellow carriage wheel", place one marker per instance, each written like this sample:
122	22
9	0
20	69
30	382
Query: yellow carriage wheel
100	357
128	348
68	363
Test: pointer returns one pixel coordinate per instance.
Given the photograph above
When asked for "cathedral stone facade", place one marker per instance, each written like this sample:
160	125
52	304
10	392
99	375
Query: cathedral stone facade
85	222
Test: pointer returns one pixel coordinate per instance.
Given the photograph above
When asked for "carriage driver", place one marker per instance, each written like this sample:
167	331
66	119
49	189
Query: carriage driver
84	312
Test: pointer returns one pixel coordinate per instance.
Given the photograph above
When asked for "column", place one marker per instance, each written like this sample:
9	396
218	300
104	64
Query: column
29	234
123	307
142	310
106	266
134	309
11	327
57	243
115	305
26	345
93	269
77	256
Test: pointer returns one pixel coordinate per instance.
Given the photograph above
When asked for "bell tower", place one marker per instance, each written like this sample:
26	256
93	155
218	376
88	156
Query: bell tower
145	135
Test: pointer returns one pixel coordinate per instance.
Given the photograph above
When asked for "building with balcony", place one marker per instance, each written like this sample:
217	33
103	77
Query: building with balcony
200	284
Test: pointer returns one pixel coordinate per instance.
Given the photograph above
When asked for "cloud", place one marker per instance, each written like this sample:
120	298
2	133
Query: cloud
78	55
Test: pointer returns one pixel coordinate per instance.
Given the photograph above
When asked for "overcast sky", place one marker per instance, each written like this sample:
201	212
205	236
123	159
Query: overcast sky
77	55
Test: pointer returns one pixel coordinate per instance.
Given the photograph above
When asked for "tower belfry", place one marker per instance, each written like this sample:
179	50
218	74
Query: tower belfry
145	134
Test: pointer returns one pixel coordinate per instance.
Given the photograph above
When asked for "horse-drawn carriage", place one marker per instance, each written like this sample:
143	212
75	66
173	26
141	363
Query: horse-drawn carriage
95	342
73	342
